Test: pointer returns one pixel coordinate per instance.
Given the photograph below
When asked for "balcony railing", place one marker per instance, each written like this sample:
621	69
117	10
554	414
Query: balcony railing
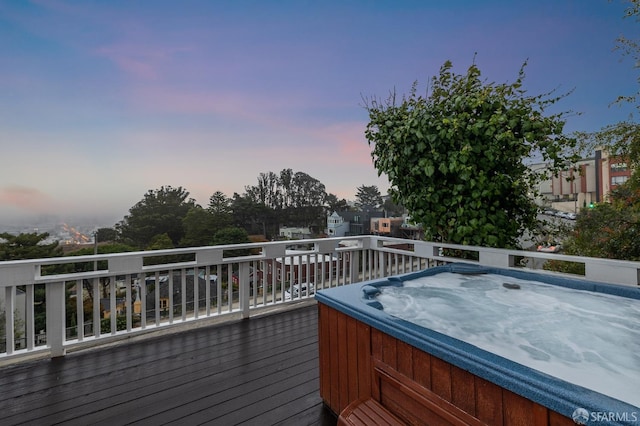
50	306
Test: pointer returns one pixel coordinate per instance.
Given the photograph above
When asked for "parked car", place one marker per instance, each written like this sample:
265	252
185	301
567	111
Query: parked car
304	289
549	247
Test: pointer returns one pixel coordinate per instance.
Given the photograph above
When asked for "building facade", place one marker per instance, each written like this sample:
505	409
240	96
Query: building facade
591	181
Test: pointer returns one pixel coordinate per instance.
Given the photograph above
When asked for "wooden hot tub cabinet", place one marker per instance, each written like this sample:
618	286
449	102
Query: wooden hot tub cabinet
359	362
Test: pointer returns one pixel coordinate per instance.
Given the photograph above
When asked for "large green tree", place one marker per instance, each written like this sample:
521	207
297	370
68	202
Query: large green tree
334	204
161	211
199	227
290	198
609	230
368	198
456	158
220	209
27	246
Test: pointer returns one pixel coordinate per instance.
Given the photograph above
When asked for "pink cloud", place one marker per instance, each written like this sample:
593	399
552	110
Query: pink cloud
24	198
140	60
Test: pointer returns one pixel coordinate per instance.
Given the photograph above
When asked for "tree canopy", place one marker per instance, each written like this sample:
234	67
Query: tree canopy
295	199
161	211
455	158
27	246
368	198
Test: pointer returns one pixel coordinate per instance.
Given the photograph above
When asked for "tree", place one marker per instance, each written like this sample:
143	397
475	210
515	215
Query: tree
199	226
368	198
455	159
608	230
253	216
335	205
392	209
160	242
220	205
27	246
161	211
295	199
232	235
106	234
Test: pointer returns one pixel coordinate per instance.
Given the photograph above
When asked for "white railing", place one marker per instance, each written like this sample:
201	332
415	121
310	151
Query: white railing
49	306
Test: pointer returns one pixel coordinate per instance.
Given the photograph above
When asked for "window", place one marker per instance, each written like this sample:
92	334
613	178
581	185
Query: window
619	167
618	180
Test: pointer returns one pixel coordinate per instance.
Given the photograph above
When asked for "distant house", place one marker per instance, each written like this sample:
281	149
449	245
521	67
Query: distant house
294	233
348	223
387	226
120	307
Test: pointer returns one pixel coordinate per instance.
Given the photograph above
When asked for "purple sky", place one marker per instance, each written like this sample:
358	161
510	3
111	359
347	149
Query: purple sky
101	101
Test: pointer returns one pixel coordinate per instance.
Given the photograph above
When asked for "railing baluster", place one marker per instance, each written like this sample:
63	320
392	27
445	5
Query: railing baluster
128	302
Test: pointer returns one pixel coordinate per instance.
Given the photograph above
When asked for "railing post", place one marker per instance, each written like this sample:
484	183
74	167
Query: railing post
243	287
10	306
354	265
55	318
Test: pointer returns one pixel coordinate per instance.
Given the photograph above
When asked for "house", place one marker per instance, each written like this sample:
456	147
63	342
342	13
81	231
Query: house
294	233
120	307
348	223
387	226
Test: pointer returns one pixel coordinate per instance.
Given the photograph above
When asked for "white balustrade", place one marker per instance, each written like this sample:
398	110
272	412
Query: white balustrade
49	308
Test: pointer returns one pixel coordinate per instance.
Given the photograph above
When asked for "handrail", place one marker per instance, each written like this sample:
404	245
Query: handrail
129	297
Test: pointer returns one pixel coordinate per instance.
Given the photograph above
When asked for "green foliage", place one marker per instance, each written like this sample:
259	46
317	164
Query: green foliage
105	324
160	212
199	227
368	198
609	230
336	205
160	242
232	235
254	217
455	159
294	199
220	209
106	234
392	209
27	246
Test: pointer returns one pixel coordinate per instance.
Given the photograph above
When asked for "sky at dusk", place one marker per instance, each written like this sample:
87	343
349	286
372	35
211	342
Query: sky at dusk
101	101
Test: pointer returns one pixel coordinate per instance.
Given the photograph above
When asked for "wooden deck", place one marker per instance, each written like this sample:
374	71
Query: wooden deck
261	371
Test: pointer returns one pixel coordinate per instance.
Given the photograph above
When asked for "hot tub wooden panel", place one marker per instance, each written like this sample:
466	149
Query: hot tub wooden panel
360	362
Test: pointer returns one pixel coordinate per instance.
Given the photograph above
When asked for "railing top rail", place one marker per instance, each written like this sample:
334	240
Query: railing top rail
13	272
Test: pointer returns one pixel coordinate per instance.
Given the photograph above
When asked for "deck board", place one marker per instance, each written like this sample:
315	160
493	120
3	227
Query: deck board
259	371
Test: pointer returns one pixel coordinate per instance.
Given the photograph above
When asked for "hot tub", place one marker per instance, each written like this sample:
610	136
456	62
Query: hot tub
461	362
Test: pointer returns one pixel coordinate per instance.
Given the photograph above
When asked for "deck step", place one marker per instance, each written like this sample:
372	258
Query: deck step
367	413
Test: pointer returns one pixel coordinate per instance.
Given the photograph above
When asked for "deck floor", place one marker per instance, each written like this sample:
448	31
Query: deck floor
261	371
